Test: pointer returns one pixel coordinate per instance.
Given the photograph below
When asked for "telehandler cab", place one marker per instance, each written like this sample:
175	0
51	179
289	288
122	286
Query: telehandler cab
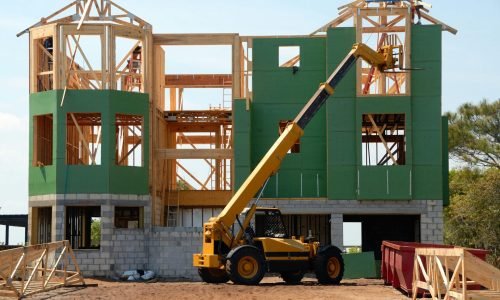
244	257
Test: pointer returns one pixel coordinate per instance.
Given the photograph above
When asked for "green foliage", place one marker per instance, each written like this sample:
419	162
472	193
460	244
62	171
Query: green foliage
473	216
183	186
474	134
353	250
95	233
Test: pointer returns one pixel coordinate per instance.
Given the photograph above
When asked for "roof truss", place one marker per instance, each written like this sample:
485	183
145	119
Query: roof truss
91	11
350	10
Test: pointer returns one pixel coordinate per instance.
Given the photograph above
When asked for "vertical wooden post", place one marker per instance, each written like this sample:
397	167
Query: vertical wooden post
236	93
173	99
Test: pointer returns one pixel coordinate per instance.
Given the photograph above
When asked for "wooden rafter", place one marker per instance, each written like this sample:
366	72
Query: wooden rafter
92	11
349	10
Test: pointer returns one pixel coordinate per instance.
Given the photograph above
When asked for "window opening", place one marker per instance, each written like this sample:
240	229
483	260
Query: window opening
42	140
83	226
129	217
393	82
289	56
129	142
83	138
129	69
281	128
383	138
44	64
352	236
43	217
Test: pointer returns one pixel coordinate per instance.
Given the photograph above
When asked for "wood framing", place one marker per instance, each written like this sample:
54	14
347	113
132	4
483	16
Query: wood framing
391	22
194	153
99	45
60	60
199	81
28	270
447	274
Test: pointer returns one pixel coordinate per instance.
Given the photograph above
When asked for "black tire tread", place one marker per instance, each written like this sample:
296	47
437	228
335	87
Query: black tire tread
233	261
320	265
207	276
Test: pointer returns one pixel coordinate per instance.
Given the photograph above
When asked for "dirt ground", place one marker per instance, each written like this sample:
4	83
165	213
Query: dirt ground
271	288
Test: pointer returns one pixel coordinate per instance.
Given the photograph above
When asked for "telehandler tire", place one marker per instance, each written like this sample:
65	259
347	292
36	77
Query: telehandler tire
245	265
213	275
292	277
329	265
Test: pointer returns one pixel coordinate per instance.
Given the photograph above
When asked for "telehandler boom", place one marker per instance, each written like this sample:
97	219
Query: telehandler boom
245	257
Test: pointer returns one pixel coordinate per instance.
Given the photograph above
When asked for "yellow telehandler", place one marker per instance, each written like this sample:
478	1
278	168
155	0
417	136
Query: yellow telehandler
231	249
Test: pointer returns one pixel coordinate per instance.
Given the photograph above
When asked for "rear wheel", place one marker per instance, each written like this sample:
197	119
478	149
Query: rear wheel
329	266
213	275
246	266
292	277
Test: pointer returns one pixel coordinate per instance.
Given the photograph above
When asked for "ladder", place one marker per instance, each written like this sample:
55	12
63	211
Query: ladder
172	213
227	97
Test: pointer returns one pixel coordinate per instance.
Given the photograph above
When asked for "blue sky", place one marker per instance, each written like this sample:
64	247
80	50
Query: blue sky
470	68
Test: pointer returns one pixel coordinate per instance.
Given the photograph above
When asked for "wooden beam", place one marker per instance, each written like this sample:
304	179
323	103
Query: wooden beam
199	81
383	29
85	13
173	99
199	139
436	21
194	153
194	39
205	198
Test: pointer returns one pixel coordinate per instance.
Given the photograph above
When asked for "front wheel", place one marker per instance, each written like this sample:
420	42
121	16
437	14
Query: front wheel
213	275
329	265
245	265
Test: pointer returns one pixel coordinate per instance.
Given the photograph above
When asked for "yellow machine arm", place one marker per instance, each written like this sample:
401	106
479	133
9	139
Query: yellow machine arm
219	228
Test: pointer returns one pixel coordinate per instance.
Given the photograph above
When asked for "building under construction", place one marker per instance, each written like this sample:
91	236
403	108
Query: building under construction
123	167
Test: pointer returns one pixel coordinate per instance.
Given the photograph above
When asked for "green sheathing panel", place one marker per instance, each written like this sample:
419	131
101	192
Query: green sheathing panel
241	141
341	119
107	177
279	94
359	265
427	180
334	136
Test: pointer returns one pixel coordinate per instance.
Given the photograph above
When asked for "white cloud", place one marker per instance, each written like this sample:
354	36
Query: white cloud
10	122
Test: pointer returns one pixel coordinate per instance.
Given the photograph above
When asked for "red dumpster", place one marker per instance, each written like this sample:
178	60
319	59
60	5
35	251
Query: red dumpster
397	262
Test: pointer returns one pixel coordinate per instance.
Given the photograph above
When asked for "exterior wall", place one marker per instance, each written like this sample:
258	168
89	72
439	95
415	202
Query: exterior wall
60	178
279	94
329	163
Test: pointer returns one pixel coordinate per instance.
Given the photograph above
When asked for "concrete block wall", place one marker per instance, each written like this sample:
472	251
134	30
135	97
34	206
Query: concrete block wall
430	211
171	251
168	251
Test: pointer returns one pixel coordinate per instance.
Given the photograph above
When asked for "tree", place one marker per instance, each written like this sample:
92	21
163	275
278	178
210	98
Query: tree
95	232
473	217
474	134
